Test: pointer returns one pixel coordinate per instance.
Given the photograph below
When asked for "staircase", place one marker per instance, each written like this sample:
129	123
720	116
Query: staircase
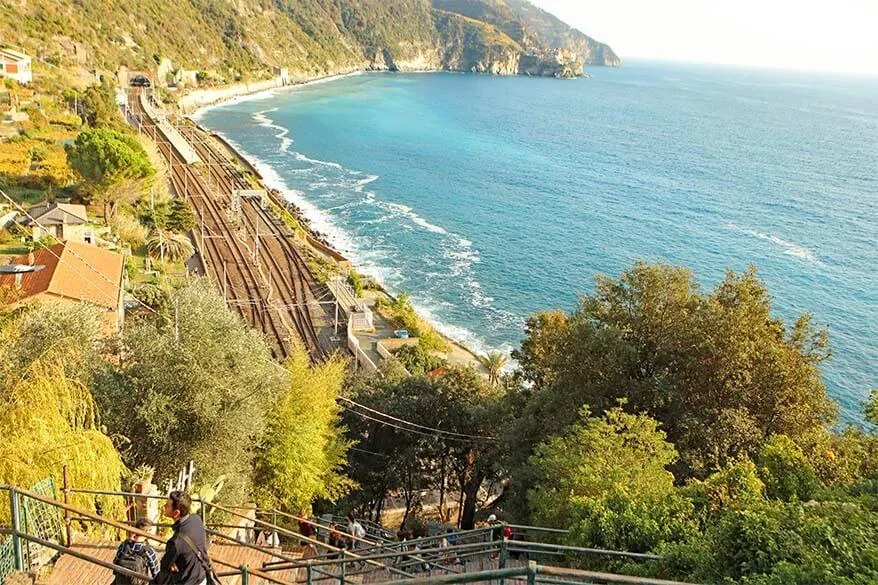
69	570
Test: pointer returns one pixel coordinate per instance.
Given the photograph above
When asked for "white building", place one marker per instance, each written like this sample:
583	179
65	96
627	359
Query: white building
16	66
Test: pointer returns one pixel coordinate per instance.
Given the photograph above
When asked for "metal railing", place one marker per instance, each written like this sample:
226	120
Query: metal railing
445	558
19	535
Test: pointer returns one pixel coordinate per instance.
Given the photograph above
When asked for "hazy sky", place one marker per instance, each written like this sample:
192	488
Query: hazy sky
837	35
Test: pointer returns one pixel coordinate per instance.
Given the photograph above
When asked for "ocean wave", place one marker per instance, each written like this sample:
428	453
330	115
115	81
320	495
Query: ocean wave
266	122
406	211
302	158
790	248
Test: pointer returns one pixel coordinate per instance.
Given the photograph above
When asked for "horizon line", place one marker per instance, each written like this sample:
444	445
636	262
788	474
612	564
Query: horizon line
873	75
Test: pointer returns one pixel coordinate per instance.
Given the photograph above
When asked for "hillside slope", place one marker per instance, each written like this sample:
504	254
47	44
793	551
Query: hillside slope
227	40
556	33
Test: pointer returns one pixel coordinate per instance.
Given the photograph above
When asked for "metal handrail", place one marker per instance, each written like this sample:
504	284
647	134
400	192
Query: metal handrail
310	540
16	533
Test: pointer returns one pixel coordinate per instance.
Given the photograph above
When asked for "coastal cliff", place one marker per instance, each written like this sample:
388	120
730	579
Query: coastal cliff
217	43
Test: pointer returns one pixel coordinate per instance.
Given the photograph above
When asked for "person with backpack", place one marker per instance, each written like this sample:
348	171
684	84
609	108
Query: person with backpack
185	561
136	554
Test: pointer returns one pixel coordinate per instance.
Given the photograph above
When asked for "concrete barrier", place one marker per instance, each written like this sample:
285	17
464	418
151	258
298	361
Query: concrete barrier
359	354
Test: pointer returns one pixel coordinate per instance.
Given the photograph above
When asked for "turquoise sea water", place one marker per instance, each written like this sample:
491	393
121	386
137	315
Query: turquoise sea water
491	198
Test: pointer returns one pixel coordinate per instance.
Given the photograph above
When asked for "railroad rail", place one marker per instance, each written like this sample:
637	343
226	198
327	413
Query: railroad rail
251	256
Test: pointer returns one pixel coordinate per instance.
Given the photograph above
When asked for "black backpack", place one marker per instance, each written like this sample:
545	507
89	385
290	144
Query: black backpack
133	561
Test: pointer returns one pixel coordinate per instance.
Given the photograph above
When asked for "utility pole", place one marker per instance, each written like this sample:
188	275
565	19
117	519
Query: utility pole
201	216
225	296
256	246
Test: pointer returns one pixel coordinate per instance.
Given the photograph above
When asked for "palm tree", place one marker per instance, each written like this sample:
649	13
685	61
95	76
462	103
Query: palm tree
167	245
494	363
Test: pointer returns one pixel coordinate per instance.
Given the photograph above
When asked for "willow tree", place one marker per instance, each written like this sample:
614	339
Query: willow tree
304	450
47	413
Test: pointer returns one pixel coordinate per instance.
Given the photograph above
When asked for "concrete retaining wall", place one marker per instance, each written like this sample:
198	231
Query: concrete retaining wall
205	97
359	354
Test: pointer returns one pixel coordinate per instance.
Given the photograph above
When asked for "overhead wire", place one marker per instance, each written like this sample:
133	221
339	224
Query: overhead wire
437	434
400	420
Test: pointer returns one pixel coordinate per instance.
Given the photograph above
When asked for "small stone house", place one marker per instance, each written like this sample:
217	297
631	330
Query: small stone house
62	221
69	272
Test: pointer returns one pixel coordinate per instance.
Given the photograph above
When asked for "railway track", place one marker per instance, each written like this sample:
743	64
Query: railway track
297	295
268	283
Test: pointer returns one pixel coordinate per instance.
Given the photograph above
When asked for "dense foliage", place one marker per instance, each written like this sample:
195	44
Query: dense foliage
228	41
48	415
113	165
194	384
302	454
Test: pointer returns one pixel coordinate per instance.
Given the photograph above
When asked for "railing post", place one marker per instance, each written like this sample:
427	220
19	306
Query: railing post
501	563
342	571
531	572
245	575
308	573
66	489
15	515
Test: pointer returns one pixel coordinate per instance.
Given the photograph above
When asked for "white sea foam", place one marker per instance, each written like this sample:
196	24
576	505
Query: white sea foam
266	122
789	248
406	211
301	157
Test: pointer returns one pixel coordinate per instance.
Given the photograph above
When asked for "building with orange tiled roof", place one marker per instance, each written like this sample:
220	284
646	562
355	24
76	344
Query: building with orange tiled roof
69	272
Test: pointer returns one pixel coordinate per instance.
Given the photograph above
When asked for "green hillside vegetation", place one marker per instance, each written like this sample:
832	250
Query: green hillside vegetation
246	39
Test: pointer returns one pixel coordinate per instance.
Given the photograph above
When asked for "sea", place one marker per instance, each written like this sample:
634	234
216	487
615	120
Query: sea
488	199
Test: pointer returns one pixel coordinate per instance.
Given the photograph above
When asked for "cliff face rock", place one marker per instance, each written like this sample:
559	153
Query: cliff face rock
241	40
557	34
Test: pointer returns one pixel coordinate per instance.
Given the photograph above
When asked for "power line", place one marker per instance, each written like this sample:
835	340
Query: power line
378	412
437	435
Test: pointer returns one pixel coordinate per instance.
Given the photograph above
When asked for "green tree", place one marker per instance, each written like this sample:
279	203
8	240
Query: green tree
461	455
193	385
871	410
606	479
181	218
417	360
98	106
786	471
775	543
114	166
717	370
49	418
303	452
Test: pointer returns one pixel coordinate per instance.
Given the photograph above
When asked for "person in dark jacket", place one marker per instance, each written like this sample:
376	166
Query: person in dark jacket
180	564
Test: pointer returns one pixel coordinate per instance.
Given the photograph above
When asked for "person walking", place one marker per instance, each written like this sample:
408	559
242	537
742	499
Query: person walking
136	554
356	530
185	561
